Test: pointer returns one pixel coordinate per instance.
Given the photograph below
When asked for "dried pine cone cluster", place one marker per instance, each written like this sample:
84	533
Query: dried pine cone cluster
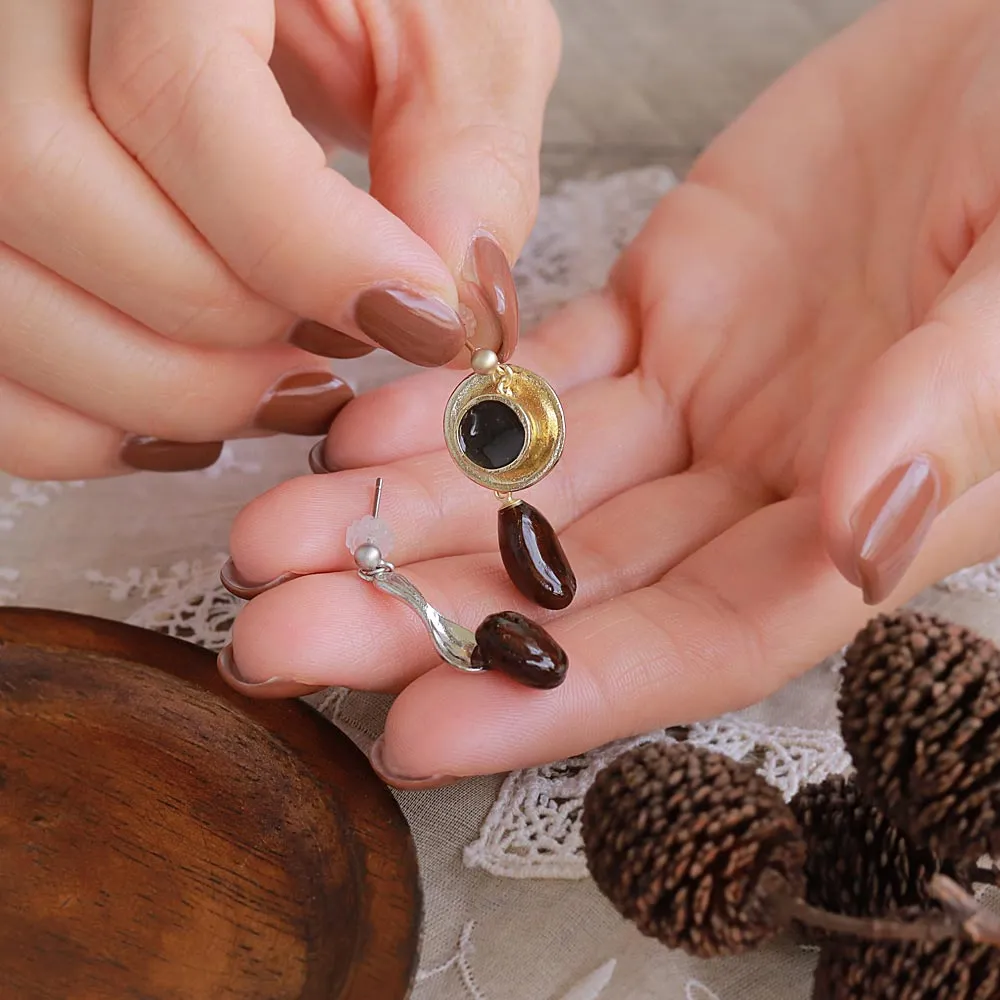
692	847
701	853
920	711
919	970
858	862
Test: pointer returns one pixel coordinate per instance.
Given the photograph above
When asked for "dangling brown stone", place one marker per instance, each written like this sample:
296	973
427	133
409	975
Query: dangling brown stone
533	557
520	648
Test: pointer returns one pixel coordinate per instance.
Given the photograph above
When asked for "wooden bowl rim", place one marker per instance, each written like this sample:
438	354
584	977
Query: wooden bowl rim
311	738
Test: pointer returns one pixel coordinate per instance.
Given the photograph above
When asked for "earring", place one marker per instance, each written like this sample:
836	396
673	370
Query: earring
509	642
505	429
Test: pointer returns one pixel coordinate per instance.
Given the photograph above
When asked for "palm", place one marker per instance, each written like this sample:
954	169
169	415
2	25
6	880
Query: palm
701	390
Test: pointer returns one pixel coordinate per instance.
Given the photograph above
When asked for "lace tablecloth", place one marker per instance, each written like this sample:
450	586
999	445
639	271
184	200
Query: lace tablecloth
510	914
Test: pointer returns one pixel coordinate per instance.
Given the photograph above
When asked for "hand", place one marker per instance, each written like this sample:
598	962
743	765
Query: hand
811	314
175	252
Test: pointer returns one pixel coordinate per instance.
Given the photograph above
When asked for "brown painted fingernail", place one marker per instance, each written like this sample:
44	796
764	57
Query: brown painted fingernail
415	327
327	342
245	590
273	687
303	403
497	328
377	757
891	524
153	454
317	459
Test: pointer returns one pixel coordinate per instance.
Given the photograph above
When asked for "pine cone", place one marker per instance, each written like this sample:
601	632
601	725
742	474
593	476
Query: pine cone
920	708
954	969
694	847
858	862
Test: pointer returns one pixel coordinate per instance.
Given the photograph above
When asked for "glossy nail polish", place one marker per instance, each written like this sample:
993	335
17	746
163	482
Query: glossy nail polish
272	687
327	342
303	403
152	454
377	758
317	459
492	297
890	526
418	328
245	590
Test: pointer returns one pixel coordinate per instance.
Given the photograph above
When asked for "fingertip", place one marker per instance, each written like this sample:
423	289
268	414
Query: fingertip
387	770
266	688
490	294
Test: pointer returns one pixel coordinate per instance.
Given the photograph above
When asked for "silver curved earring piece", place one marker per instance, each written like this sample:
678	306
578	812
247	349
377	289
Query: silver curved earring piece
507	641
369	541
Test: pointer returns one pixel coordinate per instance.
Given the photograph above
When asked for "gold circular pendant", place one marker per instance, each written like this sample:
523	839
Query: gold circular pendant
505	430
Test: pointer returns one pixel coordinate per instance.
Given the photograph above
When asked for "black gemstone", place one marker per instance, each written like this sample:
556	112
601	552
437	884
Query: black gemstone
491	434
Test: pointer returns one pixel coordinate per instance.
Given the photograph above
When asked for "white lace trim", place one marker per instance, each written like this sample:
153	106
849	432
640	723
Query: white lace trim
533	829
982	579
461	962
23	496
185	601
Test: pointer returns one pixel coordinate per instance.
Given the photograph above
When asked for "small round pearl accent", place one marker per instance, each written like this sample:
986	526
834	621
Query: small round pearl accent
484	360
368	557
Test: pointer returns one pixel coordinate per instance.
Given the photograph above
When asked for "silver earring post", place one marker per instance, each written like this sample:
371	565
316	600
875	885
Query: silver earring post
369	541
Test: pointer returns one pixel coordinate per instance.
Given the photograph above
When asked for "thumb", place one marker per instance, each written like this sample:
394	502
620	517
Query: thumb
922	430
456	134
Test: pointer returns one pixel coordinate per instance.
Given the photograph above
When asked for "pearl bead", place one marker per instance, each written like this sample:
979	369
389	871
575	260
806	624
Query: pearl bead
368	557
484	360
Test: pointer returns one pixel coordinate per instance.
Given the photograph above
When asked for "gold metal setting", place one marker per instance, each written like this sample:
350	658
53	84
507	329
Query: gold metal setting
540	412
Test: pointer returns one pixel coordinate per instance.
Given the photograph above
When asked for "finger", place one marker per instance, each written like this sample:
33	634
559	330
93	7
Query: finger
456	139
756	606
628	542
66	184
748	609
434	511
919	431
61	343
589	339
726	627
186	89
40	439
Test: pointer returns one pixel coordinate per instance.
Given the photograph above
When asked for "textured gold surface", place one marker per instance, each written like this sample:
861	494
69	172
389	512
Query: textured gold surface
540	412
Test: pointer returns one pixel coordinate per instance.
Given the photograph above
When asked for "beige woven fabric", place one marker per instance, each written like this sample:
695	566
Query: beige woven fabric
510	914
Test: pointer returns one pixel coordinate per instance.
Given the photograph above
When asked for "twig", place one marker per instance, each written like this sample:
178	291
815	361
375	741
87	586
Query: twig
977	922
932	928
962	917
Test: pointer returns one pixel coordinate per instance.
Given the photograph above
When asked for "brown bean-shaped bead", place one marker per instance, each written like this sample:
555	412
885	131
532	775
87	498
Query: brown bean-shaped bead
521	649
533	557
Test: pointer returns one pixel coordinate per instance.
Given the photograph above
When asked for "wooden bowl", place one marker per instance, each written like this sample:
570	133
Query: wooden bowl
164	838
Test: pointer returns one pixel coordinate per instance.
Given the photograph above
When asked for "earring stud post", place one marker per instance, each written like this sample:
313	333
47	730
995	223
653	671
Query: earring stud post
376	502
